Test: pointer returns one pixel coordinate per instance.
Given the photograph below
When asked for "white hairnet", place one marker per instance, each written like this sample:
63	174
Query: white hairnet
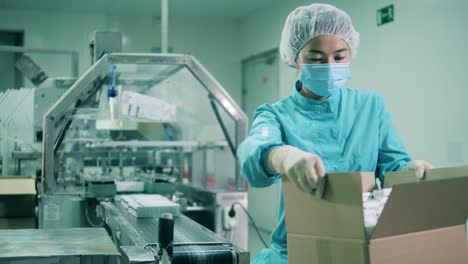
308	22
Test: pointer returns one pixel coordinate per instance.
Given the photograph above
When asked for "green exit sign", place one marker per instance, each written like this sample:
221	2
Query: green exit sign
385	15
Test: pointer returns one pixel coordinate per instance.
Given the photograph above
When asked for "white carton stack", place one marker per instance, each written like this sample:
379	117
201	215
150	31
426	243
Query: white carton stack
373	205
148	205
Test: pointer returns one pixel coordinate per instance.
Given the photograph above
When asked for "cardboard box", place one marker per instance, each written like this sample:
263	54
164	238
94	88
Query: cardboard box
16	185
17	197
13	206
18	223
422	222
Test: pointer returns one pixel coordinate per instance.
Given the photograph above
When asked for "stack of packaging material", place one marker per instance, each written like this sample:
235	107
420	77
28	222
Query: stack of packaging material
17	202
148	205
373	205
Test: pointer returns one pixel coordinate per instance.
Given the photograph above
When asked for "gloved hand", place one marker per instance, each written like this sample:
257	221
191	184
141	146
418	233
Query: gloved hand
302	168
419	167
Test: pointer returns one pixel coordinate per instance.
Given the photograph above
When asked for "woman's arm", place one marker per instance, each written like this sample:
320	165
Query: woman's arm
265	135
392	153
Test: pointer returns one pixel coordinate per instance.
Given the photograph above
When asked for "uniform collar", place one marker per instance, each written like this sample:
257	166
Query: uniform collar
328	105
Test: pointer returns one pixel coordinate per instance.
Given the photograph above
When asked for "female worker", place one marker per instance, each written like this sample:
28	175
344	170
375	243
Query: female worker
323	126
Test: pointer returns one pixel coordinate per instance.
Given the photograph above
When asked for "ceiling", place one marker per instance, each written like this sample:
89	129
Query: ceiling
184	8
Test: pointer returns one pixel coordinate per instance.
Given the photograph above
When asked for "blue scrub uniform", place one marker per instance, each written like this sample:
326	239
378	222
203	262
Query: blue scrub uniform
351	131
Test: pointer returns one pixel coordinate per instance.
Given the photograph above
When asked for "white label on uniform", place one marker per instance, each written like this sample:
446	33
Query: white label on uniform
265	131
52	212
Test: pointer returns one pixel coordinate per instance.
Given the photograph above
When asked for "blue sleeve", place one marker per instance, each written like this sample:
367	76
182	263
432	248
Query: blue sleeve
264	136
392	153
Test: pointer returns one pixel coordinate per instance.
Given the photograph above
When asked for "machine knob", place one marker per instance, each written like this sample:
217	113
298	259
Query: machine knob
166	238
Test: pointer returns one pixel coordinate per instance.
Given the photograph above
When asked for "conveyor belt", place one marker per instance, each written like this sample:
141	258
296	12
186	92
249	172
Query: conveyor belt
207	246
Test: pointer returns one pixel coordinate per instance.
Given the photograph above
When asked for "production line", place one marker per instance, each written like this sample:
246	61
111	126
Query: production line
136	137
145	158
164	151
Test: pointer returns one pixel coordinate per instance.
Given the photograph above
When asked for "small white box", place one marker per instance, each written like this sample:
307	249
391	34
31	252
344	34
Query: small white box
149	205
139	106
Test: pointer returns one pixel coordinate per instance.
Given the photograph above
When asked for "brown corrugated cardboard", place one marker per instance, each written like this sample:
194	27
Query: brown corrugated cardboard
331	230
423	206
18	223
303	249
340	210
17	185
396	178
17	197
443	245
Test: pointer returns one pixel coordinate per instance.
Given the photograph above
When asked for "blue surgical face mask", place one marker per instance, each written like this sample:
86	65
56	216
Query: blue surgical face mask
325	79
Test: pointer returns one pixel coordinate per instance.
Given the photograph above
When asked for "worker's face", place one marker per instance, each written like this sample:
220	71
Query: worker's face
324	49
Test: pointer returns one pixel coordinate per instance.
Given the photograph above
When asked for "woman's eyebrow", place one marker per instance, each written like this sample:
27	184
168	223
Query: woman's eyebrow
317	51
340	50
323	53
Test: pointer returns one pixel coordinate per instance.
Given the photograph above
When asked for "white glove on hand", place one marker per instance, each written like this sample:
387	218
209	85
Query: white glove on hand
302	168
419	167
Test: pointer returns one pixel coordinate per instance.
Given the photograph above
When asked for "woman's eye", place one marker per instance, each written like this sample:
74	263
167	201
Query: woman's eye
339	58
315	60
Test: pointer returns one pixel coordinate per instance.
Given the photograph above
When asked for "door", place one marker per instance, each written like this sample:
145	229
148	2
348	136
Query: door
260	86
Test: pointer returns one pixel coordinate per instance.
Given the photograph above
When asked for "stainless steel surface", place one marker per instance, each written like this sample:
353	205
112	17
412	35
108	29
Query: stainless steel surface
137	255
19	156
28	243
62	211
55	114
114	144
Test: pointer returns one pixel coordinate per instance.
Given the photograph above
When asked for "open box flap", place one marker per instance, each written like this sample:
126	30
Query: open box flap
338	214
425	205
395	178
